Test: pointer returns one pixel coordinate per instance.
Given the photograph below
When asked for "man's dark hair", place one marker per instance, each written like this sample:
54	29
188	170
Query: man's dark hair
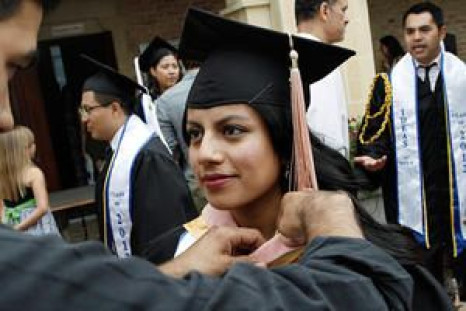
106	100
8	8
426	7
307	9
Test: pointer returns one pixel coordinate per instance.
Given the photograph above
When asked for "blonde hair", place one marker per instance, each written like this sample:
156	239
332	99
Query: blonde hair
14	159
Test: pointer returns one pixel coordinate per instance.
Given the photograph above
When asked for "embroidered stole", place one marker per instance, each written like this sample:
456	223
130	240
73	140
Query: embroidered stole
273	253
411	196
117	186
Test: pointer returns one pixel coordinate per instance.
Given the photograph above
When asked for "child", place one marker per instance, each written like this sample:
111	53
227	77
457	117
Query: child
24	204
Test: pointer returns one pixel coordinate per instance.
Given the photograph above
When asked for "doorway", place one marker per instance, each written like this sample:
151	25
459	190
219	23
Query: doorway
59	75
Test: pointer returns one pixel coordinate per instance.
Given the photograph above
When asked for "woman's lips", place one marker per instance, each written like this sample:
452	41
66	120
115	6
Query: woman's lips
216	181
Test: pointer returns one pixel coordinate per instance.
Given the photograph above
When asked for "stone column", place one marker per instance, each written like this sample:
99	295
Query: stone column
360	70
256	12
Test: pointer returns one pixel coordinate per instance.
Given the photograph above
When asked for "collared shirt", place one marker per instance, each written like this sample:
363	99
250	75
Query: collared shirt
433	72
327	115
116	137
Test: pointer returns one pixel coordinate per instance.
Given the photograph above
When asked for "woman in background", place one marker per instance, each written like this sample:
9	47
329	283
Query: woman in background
160	62
392	52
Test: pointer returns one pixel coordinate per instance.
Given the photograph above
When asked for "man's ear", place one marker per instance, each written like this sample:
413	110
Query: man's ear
323	11
443	32
116	106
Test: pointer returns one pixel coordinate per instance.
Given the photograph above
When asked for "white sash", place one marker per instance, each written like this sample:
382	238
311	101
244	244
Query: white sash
408	164
134	136
149	107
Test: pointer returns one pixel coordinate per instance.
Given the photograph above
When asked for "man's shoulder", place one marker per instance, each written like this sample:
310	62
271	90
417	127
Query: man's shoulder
175	93
334	78
153	148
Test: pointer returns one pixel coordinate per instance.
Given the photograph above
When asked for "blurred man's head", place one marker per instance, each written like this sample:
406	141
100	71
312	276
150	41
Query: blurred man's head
108	98
325	19
102	114
424	29
19	26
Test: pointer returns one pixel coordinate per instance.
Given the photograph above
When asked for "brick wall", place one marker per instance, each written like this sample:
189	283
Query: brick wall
145	19
386	18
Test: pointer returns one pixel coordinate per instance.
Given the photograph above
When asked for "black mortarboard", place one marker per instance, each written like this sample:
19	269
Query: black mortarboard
245	63
154	52
107	80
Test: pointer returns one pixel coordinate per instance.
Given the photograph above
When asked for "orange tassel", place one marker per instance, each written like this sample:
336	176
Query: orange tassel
303	161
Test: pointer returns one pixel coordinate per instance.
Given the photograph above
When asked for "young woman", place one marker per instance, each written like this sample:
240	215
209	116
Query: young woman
25	204
239	128
160	62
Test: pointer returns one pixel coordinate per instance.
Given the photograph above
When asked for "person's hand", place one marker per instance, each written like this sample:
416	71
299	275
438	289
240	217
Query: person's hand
18	227
308	214
371	164
216	252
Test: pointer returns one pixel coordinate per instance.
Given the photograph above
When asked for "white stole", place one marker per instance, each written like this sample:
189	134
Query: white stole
327	115
134	136
411	201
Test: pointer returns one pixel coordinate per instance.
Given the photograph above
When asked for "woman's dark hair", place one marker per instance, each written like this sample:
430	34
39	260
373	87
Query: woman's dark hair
334	172
8	8
394	49
153	84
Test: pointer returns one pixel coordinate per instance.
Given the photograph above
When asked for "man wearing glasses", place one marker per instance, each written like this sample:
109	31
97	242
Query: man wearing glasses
134	204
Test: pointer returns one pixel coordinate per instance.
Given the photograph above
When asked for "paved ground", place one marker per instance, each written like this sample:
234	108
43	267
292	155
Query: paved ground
78	228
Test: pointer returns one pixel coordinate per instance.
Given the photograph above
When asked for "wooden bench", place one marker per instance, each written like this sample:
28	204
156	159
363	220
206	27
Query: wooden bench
72	203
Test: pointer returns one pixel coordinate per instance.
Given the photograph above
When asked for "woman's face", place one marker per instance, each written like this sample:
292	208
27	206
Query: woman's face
232	156
166	72
384	51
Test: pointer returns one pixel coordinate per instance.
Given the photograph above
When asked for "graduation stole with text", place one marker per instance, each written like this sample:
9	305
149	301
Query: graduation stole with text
117	187
411	196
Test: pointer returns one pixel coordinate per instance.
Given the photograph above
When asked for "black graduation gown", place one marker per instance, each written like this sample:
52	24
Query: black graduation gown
160	196
334	274
163	247
433	153
435	169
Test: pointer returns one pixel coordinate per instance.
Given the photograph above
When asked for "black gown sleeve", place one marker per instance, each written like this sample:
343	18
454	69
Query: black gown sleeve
163	247
383	144
335	274
160	195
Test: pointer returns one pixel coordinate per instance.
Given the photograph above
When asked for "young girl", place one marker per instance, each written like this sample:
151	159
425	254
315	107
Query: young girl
24	204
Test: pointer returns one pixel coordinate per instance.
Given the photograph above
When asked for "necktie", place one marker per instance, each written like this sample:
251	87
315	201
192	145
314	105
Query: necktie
427	75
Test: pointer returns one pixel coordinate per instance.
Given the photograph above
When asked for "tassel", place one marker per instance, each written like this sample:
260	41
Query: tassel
303	168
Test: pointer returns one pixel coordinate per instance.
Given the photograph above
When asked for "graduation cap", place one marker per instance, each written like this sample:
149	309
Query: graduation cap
156	49
242	63
246	63
107	80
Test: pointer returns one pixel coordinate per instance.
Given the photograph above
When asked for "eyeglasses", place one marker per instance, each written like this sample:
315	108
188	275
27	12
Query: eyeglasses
85	111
